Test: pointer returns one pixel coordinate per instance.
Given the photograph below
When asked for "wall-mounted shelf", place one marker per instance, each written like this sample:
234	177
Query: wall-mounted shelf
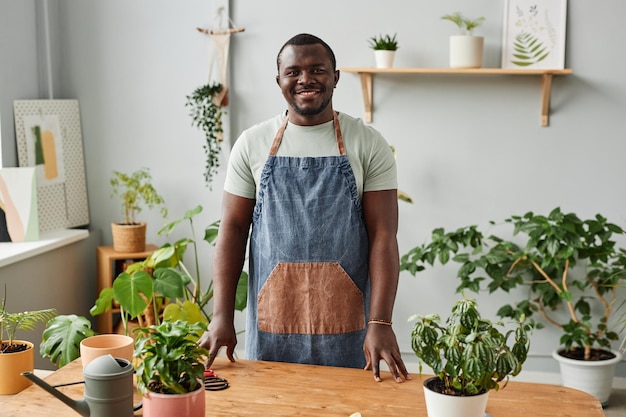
367	81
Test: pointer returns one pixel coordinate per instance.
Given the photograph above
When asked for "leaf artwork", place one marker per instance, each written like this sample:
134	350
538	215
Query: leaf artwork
528	50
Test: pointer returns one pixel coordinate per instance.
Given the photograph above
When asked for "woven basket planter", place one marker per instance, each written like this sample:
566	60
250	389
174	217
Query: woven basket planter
129	238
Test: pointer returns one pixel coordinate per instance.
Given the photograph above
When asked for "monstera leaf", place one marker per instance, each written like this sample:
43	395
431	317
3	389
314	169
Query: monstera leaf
528	50
61	338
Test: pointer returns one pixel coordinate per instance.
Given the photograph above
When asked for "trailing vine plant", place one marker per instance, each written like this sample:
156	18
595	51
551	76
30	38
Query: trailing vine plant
206	112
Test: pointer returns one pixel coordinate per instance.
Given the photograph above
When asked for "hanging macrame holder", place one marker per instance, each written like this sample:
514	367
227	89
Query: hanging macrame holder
220	45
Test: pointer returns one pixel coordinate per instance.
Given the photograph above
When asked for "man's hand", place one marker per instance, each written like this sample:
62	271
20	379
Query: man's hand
219	334
380	343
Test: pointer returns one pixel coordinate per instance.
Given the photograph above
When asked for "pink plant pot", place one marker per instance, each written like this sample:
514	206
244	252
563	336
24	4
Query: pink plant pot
173	405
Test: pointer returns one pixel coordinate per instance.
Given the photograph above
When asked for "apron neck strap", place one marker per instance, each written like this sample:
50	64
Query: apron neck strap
281	131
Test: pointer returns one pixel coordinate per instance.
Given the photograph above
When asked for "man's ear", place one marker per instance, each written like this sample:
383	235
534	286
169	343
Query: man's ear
277	80
337	73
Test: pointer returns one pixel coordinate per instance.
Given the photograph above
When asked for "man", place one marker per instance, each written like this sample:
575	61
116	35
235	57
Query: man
323	258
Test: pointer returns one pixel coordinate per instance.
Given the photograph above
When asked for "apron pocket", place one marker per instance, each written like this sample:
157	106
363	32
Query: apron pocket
310	298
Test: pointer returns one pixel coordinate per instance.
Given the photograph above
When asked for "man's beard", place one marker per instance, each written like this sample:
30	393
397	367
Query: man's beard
311	111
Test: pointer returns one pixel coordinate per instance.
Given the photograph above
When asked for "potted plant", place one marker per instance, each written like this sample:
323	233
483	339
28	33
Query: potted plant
572	269
466	50
17	356
170	369
469	357
385	47
135	191
164	285
206	104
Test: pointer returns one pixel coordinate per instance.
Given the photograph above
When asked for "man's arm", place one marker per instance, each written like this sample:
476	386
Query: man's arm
230	252
380	210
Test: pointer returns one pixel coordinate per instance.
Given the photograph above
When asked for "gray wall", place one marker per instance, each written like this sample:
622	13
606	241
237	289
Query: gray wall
471	149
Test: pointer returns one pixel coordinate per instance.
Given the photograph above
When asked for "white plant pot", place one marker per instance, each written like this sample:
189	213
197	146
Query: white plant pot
384	58
466	51
593	377
440	405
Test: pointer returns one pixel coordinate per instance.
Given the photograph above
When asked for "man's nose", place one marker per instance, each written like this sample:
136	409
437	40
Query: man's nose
306	78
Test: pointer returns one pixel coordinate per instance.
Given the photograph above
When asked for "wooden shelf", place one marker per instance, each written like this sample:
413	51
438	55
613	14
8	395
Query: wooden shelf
367	81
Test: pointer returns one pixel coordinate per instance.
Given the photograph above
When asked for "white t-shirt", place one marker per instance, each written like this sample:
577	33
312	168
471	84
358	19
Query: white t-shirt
369	153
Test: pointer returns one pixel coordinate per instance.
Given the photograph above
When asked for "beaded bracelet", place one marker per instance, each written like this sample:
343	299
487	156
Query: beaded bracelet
380	321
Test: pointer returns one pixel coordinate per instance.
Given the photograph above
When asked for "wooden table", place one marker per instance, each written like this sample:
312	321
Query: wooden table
280	389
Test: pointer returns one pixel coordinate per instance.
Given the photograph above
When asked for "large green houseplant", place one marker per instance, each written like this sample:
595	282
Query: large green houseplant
17	356
171	363
469	355
135	191
572	268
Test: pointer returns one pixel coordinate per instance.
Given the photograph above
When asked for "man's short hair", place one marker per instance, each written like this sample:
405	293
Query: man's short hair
307	39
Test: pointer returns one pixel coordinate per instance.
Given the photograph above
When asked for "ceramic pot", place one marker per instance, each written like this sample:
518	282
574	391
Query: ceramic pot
466	51
129	238
11	367
116	345
166	405
593	377
441	405
384	58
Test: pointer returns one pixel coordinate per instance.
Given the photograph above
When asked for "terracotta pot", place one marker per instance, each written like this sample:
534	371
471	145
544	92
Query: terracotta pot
116	345
11	367
592	377
441	405
129	238
166	405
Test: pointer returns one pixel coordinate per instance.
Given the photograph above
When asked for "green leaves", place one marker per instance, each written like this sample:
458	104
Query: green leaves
25	320
528	50
61	338
385	43
568	265
468	352
169	357
207	116
466	26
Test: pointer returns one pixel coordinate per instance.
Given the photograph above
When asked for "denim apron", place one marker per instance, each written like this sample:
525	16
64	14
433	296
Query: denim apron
308	298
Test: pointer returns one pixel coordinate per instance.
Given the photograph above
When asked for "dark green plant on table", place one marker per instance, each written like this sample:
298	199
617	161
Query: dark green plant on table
383	43
169	359
206	112
135	190
467	352
568	264
466	26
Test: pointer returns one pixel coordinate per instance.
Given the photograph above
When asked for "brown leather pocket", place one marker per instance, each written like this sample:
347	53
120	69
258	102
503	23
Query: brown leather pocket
310	298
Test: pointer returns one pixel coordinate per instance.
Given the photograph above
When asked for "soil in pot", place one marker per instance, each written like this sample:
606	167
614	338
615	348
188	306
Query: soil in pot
13	348
437	385
579	354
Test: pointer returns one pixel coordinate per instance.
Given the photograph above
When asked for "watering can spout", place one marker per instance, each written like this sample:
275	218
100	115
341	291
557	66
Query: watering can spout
80	406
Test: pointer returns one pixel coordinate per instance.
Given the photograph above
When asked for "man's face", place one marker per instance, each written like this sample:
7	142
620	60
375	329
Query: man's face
306	78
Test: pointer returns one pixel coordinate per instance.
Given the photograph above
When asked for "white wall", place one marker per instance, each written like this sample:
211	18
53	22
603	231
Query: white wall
471	149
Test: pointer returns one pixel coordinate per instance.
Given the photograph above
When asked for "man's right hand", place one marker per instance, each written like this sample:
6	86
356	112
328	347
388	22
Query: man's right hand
220	333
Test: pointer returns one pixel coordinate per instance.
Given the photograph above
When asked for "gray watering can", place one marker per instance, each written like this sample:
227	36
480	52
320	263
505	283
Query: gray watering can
108	388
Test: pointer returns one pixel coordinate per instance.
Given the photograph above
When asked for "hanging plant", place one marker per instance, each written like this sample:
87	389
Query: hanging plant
206	112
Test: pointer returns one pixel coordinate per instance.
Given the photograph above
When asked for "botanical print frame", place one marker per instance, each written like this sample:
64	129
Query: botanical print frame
62	200
533	35
19	221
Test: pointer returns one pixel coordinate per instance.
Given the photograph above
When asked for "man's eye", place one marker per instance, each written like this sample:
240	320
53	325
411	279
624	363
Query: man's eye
318	70
291	73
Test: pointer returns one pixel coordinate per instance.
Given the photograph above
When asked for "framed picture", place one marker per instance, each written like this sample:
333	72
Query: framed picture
534	34
19	221
49	138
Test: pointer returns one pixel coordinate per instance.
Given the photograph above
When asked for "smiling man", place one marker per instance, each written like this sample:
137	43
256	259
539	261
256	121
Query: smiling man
319	189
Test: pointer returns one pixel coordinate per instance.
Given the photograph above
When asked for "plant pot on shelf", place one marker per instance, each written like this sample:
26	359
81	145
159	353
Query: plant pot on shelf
442	405
129	238
594	376
466	51
384	58
12	365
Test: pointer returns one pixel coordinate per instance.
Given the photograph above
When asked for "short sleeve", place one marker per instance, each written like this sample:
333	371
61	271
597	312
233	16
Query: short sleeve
380	173
239	176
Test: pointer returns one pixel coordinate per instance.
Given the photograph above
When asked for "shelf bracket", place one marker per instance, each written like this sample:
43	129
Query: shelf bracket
367	87
546	87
